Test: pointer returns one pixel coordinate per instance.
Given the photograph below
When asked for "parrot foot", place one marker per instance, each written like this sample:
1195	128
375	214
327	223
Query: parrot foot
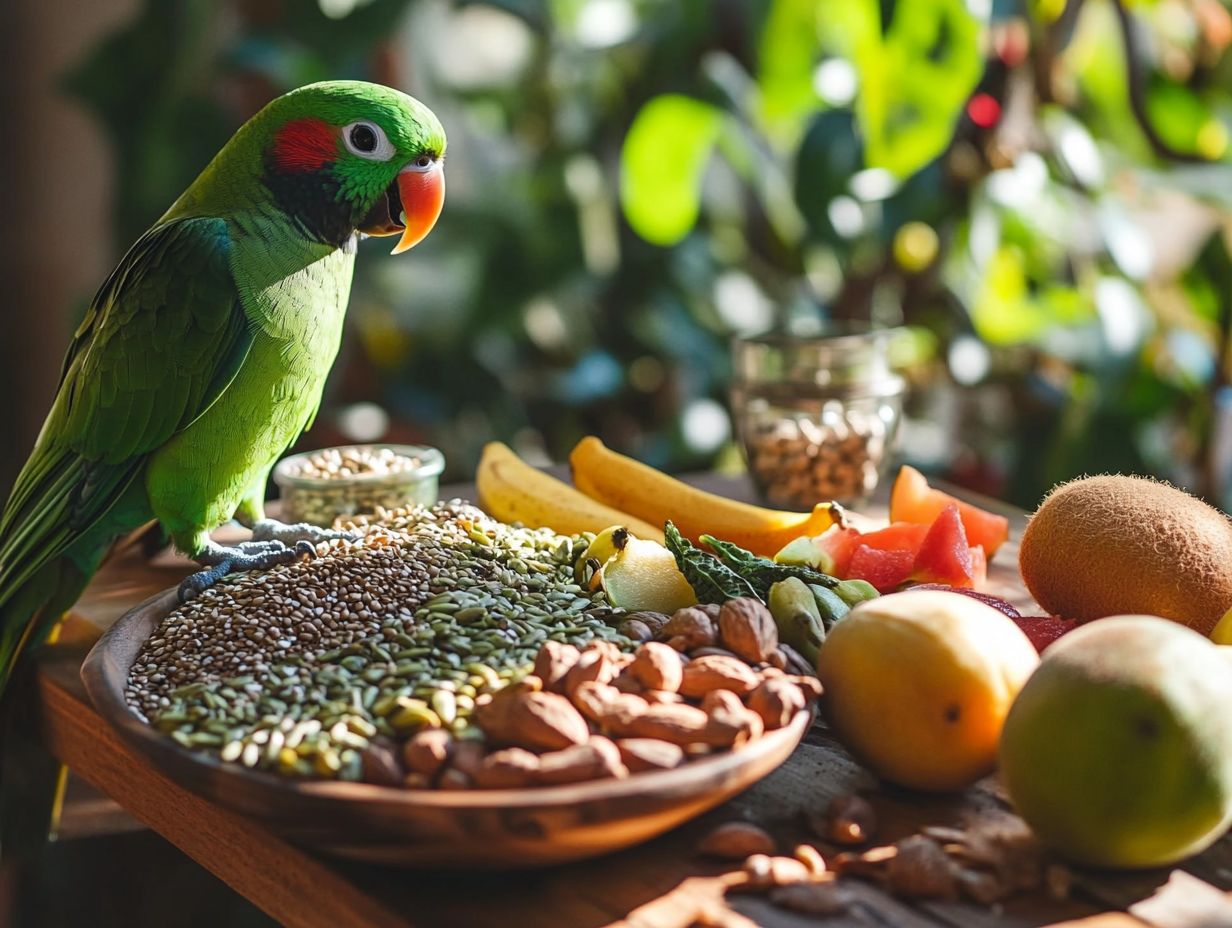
220	560
271	530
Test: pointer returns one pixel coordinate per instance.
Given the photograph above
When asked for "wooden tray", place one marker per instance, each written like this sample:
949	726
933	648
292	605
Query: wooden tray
460	828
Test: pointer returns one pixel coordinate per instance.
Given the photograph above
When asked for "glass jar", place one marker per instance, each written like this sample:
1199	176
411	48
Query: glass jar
816	415
320	486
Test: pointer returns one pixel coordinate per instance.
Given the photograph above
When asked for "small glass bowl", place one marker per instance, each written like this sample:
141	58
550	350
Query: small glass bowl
816	415
320	500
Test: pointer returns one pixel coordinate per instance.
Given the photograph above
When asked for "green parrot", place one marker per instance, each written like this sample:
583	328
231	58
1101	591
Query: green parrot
203	355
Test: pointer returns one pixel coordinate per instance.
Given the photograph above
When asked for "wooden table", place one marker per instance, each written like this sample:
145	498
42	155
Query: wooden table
656	885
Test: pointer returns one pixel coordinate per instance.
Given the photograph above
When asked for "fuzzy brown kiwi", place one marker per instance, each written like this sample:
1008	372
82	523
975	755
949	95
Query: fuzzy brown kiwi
1114	545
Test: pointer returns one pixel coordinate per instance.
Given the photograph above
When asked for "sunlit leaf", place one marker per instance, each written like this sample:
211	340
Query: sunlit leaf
1001	313
662	163
916	72
788	52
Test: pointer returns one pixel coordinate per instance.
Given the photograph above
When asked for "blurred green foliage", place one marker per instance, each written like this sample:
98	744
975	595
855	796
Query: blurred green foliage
1042	189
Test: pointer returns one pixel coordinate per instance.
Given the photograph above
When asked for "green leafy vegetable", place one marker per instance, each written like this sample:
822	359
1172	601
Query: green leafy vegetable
711	579
760	572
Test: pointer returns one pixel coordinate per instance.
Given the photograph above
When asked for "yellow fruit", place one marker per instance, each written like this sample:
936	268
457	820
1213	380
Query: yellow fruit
918	684
598	553
511	490
1222	632
642	491
643	576
1117	545
1118	751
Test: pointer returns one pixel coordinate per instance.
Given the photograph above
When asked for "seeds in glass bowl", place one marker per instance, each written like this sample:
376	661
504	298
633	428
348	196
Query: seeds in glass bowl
358	460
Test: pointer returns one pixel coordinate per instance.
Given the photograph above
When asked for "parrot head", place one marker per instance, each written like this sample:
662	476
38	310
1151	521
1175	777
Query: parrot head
346	156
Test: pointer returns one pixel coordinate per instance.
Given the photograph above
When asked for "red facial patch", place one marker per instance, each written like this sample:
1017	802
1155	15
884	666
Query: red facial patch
305	145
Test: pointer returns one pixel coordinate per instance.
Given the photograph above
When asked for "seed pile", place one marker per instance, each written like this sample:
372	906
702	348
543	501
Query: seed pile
363	461
301	668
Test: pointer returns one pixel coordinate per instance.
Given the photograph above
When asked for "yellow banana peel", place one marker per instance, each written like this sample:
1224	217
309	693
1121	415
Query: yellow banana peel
638	489
511	490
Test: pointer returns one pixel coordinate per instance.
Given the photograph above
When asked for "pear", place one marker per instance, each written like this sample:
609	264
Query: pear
642	576
1118	751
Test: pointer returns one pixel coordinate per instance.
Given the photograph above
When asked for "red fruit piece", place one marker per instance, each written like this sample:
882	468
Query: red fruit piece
913	500
1043	630
885	570
840	544
897	536
945	556
987	599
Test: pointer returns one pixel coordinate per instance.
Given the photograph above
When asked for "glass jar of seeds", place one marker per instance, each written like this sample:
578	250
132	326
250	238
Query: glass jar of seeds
816	415
320	486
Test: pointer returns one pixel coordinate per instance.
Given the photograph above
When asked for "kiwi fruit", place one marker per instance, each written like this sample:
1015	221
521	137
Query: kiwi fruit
1115	545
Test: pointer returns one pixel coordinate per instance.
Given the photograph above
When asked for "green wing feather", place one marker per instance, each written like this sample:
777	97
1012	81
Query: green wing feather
163	338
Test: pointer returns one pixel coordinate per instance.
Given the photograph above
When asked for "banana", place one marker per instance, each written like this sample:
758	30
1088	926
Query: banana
649	494
511	490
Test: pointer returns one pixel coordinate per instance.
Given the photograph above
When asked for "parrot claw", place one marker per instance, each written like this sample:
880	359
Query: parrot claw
268	530
219	561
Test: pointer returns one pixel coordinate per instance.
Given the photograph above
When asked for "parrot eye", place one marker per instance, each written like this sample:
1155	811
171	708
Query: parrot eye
367	140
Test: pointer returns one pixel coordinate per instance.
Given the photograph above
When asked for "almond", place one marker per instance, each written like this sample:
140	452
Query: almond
777	701
657	667
736	841
593	664
593	699
649	754
466	758
544	721
747	628
715	672
508	769
554	660
596	759
764	871
809	685
679	723
691	627
426	752
730	724
660	697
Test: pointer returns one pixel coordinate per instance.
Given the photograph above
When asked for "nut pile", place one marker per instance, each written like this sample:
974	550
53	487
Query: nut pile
985	863
359	479
597	712
305	668
798	462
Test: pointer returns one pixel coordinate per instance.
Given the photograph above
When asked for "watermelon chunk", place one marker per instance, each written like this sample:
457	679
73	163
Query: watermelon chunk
839	544
945	556
913	500
898	536
885	570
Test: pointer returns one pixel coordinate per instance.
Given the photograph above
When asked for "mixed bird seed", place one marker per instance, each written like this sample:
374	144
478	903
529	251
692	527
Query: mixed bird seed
302	668
362	460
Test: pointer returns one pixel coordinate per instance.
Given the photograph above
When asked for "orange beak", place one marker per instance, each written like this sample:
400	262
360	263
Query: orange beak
422	194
